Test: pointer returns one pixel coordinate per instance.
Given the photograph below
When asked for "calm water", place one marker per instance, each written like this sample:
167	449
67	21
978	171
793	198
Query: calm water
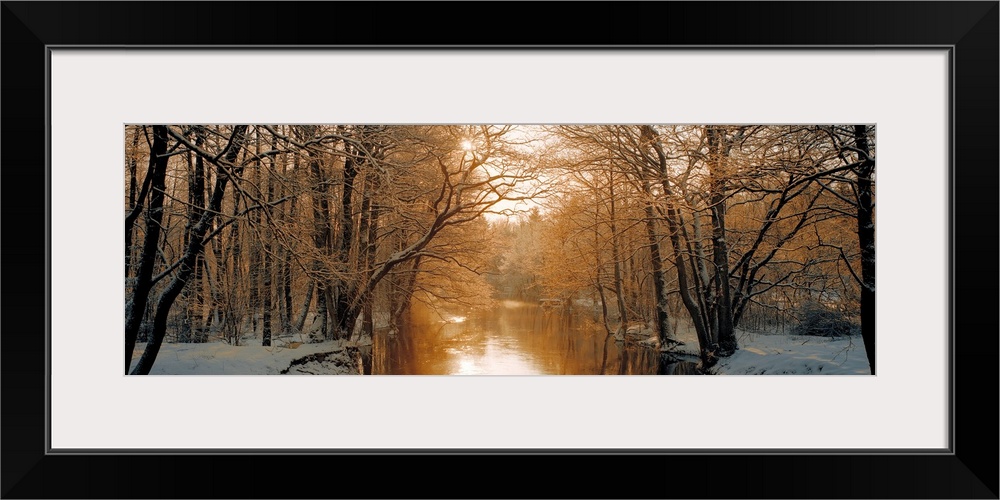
514	339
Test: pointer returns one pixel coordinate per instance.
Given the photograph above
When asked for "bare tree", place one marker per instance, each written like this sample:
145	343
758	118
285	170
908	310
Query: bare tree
227	167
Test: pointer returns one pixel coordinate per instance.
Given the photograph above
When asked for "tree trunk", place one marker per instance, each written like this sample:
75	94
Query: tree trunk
682	281
286	290
723	302
300	321
265	291
321	237
364	298
133	198
253	223
135	306
322	312
616	257
699	274
217	312
345	289
659	279
234	309
700	281
607	326
673	226
286	265
136	208
725	335
600	286
367	228
132	166
866	240
194	299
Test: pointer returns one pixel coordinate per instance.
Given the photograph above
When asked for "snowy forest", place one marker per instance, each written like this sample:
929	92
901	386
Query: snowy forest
499	249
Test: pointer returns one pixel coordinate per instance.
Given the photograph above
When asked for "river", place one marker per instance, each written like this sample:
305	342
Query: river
513	339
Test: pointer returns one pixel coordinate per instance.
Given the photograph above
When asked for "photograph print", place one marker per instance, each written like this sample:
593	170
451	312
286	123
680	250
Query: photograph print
477	249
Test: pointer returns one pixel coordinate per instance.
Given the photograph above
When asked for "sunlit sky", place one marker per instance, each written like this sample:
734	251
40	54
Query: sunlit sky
529	138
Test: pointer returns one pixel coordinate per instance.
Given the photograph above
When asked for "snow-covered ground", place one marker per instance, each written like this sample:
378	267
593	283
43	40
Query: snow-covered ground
779	354
774	353
217	358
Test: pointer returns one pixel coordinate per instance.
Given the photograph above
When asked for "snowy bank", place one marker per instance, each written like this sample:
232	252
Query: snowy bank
777	354
769	353
217	358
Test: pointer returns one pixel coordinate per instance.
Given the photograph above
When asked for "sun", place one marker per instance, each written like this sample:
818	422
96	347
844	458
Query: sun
467	145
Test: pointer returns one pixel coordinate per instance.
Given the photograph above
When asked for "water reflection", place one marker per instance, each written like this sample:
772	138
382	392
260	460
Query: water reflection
516	339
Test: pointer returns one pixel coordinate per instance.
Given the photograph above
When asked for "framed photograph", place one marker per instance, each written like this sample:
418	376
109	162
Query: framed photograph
90	89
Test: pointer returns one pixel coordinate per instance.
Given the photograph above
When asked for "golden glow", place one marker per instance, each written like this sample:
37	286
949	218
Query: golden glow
467	145
467	367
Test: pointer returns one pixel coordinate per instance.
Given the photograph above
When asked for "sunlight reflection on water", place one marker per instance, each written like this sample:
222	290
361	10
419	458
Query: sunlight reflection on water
516	339
498	358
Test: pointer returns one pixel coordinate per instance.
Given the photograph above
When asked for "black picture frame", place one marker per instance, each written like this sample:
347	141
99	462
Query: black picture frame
970	29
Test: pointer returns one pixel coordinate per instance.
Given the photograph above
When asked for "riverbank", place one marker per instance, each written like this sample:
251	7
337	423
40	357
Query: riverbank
772	353
759	354
780	354
217	358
